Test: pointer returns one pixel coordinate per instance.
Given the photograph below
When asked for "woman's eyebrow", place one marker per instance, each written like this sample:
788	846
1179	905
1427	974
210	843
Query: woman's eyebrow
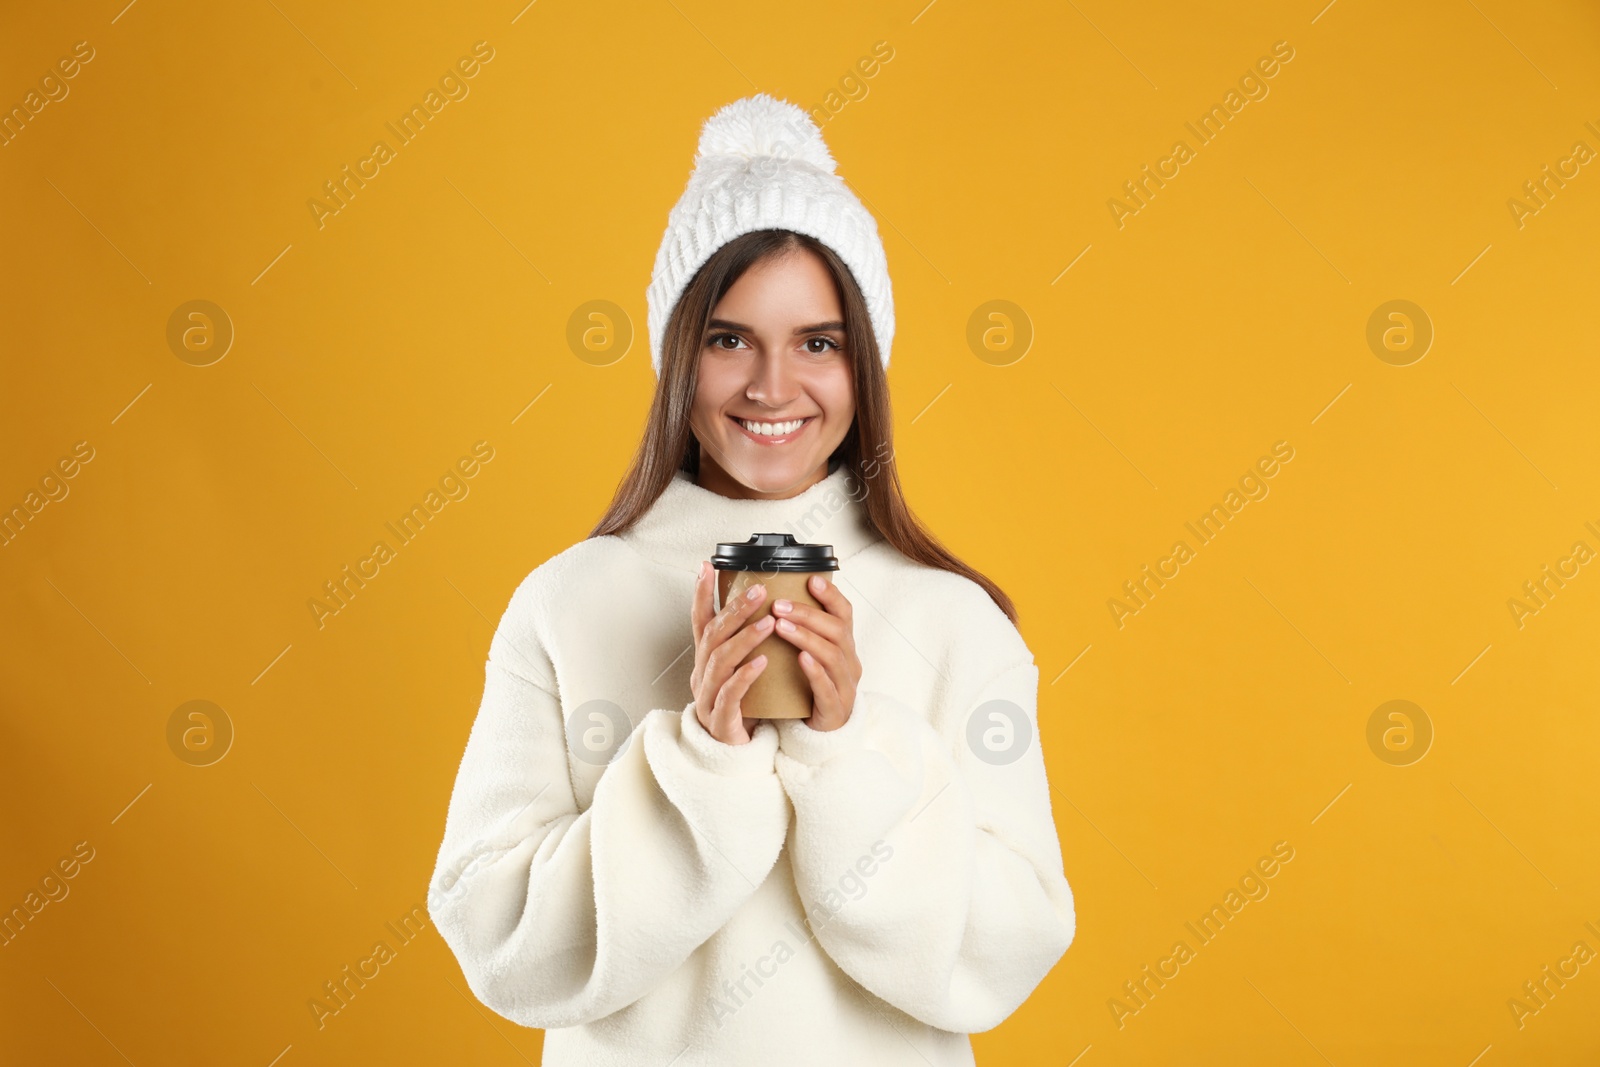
817	327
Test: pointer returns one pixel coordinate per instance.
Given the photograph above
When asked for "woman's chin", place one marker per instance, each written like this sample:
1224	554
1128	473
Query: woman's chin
760	470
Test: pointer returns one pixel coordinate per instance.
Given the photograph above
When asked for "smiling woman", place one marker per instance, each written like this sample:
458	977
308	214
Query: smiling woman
615	898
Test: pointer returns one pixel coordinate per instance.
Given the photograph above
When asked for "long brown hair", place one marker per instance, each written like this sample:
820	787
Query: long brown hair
669	446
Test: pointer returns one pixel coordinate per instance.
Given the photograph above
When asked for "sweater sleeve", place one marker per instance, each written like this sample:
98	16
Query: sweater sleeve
929	865
560	916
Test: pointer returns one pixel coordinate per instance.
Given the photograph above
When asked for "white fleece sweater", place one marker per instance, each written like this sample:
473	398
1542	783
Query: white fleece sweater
867	895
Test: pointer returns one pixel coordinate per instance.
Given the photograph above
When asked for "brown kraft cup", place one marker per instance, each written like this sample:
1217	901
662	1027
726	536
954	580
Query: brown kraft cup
784	566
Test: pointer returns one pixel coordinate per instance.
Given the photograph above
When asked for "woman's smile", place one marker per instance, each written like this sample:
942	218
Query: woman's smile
778	432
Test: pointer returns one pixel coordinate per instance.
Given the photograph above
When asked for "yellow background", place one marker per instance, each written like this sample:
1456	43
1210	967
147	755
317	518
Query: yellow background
1228	314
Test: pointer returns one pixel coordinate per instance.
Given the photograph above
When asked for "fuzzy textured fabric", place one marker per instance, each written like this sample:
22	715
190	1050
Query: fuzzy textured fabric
868	895
762	164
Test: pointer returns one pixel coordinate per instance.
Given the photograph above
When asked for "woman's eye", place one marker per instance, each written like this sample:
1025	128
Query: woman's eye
828	344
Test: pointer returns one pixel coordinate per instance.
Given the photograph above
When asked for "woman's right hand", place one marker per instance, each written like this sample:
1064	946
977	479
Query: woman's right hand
721	640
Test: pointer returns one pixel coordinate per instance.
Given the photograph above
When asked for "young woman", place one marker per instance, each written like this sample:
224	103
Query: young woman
631	862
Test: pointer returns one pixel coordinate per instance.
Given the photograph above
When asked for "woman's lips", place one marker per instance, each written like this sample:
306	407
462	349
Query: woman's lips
762	439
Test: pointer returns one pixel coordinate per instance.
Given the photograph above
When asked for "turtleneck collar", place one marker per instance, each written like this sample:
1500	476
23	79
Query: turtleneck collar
687	521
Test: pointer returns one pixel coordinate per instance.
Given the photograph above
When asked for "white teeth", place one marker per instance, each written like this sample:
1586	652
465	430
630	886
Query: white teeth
772	429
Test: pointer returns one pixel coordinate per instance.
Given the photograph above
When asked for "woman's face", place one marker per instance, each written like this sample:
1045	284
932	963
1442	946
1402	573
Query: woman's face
775	394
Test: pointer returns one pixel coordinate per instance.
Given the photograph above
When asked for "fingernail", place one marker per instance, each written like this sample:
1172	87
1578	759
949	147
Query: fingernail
764	623
705	568
785	625
781	606
754	591
817	582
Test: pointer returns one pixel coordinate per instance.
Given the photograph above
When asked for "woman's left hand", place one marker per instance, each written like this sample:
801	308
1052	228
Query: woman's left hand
827	651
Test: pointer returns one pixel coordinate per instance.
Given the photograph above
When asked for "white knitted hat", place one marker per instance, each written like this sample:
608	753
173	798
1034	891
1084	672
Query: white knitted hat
762	164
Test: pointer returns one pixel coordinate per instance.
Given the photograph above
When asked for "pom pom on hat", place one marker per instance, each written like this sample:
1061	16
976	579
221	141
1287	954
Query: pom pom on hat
763	126
761	163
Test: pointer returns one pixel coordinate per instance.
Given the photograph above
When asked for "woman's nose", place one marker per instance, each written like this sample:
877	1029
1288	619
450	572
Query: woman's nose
772	382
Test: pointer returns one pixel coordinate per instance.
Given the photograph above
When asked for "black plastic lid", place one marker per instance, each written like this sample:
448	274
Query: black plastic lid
772	552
